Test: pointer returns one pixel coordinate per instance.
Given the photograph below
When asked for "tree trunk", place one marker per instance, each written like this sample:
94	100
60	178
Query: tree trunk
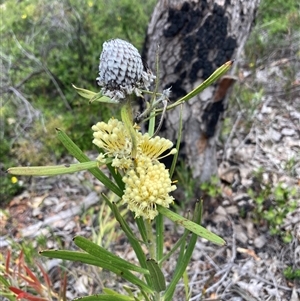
194	38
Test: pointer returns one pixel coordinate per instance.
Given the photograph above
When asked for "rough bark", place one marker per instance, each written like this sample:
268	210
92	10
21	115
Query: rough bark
194	38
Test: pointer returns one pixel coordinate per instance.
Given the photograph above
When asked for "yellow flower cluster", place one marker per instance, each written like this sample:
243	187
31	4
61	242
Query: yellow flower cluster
147	181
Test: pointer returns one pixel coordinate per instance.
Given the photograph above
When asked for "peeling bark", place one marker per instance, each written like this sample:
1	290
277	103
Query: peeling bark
194	39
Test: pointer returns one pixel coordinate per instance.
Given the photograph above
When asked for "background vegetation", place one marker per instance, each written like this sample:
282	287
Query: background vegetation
49	45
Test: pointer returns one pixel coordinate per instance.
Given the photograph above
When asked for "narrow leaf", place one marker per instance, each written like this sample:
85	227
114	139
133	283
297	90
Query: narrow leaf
92	96
76	152
131	237
158	279
45	275
84	93
193	227
103	254
99	97
184	257
23	295
175	157
216	75
105	298
92	260
4	281
51	170
34	279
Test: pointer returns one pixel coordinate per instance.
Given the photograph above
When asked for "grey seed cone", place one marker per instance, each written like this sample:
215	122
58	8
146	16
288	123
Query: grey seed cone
121	70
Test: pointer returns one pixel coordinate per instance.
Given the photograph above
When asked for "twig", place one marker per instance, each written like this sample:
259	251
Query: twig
24	80
232	132
226	270
274	284
210	260
266	281
28	107
165	103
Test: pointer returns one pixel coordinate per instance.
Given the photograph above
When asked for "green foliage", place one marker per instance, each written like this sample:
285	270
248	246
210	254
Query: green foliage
274	21
146	193
10	185
279	16
272	204
291	274
290	166
212	188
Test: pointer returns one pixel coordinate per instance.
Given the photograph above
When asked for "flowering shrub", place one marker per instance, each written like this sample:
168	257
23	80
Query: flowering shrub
139	179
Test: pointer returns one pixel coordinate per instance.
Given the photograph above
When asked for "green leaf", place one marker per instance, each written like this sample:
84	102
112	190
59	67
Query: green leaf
175	157
216	75
92	96
76	152
185	255
51	170
134	242
193	227
185	278
84	93
99	97
92	260
114	297
157	276
103	254
9	295
4	281
109	291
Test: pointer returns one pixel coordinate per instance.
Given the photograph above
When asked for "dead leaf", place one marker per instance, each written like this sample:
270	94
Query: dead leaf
248	252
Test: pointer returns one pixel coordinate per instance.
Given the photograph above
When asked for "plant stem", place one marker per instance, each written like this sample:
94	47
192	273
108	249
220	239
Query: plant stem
151	240
126	115
151	243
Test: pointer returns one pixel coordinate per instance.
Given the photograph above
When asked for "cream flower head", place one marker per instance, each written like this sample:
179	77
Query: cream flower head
146	185
113	138
154	147
147	181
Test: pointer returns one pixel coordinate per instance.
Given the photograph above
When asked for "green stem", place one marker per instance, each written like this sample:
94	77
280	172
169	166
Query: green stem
127	118
151	240
151	123
152	250
159	237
